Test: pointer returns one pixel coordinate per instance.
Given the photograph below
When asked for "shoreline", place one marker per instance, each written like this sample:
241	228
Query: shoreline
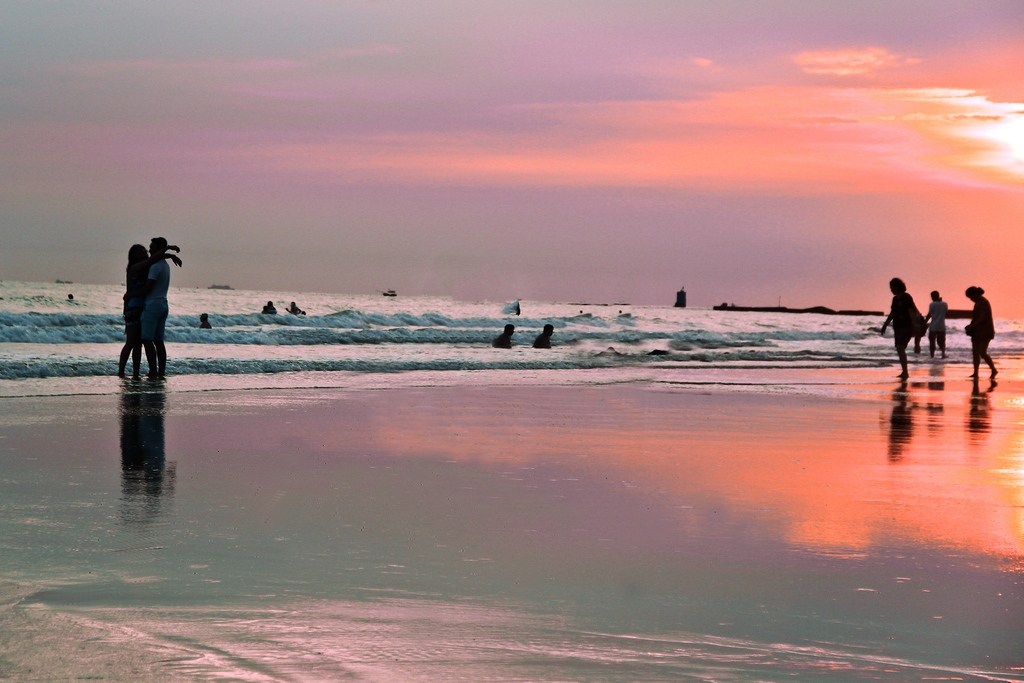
864	381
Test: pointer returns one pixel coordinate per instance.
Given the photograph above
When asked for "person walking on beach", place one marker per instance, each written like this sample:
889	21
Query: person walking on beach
543	340
139	263
981	329
504	340
936	320
154	314
902	316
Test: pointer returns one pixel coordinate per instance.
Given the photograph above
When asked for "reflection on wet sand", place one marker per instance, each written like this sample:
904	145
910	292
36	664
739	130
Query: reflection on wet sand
804	470
979	418
904	406
936	374
147	483
901	422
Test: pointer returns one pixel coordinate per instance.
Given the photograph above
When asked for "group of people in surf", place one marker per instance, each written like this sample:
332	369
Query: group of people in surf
293	308
908	323
147	279
542	341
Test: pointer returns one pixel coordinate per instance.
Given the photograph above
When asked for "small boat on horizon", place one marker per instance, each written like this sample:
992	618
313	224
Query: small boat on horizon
390	292
220	287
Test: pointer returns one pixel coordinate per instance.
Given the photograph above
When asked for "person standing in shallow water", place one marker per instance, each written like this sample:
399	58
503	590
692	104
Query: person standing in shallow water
936	320
139	263
154	314
982	329
902	316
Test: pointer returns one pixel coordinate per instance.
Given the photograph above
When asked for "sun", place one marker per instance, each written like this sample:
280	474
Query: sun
1012	135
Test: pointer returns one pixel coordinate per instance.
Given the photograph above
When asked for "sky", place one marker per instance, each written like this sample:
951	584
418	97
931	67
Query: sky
753	152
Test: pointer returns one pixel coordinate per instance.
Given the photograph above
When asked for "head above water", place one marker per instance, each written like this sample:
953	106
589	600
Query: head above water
897	286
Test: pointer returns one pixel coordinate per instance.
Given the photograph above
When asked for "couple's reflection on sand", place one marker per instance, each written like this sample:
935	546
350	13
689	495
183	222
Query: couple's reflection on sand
147	482
906	407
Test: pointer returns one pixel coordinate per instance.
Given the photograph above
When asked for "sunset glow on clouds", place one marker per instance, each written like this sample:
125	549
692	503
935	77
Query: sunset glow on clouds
849	62
794	139
766	103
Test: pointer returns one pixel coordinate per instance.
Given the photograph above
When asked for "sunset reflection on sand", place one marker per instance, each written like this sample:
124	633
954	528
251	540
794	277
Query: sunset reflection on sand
942	469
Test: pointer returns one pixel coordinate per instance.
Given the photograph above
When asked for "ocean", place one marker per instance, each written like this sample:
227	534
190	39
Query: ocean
44	336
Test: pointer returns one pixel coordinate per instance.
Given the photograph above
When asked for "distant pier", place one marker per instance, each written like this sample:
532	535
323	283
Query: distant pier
821	310
952	314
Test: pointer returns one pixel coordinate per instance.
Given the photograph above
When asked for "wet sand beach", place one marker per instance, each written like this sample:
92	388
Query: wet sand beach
598	533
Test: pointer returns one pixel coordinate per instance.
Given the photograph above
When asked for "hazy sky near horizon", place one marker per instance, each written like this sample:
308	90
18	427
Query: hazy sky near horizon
598	150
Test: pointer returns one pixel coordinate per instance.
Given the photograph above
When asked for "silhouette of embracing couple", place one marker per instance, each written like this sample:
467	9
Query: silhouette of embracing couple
147	278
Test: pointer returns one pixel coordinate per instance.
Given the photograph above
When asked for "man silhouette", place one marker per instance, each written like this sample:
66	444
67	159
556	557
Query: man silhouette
154	314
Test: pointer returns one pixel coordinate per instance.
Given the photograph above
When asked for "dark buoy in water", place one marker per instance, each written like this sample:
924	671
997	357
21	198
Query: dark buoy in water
681	298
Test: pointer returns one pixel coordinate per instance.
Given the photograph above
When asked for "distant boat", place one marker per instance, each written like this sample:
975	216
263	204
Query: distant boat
390	292
220	287
64	282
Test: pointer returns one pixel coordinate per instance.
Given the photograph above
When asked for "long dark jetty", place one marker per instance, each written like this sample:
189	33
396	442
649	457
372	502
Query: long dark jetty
821	310
952	314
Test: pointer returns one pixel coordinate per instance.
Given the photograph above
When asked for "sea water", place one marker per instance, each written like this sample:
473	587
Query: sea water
45	336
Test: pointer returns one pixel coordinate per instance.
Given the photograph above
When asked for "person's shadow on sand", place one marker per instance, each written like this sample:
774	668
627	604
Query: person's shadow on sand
147	484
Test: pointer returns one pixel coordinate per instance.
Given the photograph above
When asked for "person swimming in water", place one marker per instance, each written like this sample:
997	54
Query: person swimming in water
269	309
504	340
543	340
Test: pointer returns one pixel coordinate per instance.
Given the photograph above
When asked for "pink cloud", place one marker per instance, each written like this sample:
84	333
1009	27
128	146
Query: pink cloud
792	139
849	62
